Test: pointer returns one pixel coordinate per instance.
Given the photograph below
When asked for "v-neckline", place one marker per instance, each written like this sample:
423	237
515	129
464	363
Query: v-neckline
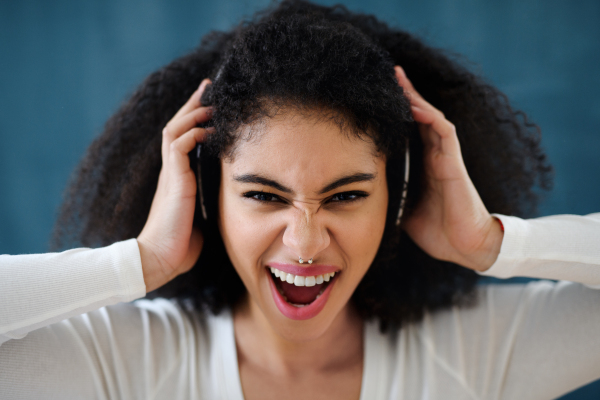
229	374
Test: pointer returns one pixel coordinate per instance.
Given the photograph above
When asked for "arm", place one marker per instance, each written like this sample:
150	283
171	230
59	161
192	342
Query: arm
76	347
545	331
534	341
451	223
560	247
41	289
139	350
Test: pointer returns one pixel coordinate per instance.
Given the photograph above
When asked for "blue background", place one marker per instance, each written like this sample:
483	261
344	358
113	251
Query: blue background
65	66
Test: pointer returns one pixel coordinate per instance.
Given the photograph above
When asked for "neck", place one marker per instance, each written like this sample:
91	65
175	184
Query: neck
259	345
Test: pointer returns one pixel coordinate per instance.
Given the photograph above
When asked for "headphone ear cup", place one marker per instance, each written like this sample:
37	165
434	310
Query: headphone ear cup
404	194
200	204
208	175
397	175
198	158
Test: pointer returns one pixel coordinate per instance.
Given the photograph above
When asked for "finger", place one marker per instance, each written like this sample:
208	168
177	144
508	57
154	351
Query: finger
415	97
441	132
436	119
194	100
406	83
180	126
180	147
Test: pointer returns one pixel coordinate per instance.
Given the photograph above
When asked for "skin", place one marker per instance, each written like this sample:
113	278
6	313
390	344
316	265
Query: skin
336	227
321	356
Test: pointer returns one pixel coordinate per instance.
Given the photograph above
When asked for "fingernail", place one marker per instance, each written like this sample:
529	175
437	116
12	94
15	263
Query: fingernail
210	129
209	112
202	85
401	71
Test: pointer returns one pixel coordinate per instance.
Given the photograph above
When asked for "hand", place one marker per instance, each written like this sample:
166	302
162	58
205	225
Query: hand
169	244
451	223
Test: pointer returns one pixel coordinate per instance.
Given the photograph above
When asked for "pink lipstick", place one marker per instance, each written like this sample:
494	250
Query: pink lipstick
300	311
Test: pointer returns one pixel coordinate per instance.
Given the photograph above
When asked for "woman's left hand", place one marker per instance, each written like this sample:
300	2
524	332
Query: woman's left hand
451	222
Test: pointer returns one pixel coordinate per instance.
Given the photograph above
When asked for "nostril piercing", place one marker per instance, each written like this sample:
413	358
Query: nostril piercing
310	261
300	260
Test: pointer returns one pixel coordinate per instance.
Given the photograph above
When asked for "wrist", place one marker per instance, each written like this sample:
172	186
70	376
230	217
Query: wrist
489	251
154	276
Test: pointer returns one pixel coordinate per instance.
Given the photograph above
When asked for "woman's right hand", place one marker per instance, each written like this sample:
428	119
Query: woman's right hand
169	244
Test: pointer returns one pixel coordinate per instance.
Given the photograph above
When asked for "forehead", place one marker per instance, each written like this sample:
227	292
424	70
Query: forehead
302	150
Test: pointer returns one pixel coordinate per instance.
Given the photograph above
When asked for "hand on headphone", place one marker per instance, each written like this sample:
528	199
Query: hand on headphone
169	244
451	222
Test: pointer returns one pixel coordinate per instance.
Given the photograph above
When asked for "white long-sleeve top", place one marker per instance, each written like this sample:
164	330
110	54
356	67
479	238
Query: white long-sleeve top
64	336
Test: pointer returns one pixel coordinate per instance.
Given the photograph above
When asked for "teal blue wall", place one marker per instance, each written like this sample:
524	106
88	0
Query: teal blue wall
65	66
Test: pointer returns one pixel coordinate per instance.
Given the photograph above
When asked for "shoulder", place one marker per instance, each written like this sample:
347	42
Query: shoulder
171	326
128	333
148	346
496	308
476	349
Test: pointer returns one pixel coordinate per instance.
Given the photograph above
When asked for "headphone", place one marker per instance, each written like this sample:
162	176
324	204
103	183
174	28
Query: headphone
199	160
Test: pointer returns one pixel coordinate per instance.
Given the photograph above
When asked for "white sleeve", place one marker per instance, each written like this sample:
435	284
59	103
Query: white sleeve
559	247
539	340
75	342
37	290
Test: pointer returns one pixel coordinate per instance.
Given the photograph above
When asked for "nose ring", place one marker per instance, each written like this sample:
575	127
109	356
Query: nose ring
301	261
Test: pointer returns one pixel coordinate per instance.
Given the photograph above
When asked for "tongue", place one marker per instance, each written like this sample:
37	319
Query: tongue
300	294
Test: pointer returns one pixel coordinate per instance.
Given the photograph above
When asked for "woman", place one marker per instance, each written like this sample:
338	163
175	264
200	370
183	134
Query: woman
295	279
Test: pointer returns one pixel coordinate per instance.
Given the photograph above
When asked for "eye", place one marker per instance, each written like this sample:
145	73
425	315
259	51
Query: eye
262	196
347	197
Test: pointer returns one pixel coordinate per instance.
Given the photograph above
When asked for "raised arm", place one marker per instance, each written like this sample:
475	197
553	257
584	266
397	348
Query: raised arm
73	342
534	341
559	247
40	289
537	340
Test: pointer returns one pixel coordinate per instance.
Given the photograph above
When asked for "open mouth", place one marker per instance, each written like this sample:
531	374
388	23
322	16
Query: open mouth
300	297
300	291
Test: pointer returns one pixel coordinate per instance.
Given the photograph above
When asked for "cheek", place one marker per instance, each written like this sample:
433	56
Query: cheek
362	236
246	237
359	238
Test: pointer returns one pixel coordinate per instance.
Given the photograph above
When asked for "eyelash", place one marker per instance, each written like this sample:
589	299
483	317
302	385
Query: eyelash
254	195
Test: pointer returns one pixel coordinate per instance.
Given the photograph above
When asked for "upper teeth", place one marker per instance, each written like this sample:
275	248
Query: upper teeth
302	280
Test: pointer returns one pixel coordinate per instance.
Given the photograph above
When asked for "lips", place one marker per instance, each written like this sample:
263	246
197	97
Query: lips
300	302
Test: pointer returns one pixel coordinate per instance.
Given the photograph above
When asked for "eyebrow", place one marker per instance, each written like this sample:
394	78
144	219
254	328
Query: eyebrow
343	181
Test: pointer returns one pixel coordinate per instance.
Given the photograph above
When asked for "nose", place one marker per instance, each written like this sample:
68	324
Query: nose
306	234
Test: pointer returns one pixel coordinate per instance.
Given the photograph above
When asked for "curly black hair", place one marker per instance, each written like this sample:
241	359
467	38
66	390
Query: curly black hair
310	57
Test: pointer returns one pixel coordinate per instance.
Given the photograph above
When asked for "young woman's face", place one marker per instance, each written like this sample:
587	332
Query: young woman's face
301	188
